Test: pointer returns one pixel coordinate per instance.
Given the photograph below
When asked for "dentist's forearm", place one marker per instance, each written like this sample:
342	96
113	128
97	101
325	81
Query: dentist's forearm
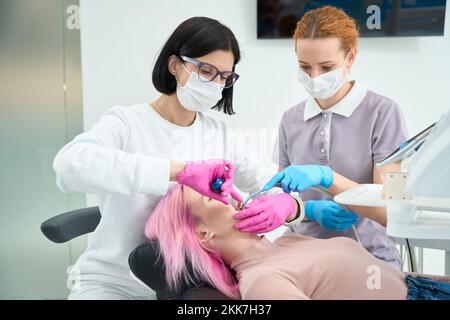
295	213
298	212
176	167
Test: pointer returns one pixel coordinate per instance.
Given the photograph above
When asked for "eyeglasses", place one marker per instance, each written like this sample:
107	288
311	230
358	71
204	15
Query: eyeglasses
208	72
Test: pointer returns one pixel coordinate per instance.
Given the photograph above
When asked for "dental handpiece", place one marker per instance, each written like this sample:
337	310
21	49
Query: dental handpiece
218	183
216	186
257	193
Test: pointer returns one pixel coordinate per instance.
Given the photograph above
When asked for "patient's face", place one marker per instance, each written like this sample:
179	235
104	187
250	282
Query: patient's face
215	214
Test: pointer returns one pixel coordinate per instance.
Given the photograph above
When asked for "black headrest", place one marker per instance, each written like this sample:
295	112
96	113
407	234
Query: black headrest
148	266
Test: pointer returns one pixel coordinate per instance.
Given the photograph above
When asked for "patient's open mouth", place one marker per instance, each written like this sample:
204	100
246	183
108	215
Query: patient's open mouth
236	204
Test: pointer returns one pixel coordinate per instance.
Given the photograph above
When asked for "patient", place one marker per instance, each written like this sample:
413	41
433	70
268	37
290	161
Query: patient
195	229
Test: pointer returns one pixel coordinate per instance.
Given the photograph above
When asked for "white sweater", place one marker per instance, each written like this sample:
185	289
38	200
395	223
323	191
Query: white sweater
125	160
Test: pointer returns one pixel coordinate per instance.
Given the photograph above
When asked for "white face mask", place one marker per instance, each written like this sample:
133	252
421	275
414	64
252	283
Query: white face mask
325	85
199	95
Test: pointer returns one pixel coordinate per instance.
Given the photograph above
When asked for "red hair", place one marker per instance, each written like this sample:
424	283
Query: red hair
328	22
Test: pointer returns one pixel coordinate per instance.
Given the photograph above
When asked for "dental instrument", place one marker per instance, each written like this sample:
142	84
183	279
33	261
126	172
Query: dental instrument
216	186
407	148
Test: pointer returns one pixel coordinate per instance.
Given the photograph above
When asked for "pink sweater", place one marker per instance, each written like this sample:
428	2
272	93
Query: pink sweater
299	267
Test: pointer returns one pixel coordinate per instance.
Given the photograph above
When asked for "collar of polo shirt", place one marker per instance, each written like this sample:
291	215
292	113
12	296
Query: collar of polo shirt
344	107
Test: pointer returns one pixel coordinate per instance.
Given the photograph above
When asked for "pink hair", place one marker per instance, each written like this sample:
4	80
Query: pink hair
172	224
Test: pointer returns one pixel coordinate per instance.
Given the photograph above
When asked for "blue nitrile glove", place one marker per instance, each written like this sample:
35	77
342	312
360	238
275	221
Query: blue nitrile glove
300	178
330	215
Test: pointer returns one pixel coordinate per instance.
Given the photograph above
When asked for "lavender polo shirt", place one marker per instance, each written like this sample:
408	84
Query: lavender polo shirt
360	130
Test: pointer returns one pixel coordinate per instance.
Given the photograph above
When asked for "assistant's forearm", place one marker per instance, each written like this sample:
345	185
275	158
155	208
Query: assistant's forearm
341	184
376	214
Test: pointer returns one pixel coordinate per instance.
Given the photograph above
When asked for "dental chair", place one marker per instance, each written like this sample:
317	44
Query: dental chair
144	261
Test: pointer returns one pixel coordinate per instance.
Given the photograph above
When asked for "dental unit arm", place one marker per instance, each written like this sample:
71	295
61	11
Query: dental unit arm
417	200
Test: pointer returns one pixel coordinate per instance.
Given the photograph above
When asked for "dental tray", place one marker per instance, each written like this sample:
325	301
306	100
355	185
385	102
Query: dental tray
368	195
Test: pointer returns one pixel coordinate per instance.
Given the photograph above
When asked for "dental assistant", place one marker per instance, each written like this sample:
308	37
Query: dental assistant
134	154
335	137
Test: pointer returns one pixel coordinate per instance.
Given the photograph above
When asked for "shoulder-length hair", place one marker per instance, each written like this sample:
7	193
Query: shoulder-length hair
173	225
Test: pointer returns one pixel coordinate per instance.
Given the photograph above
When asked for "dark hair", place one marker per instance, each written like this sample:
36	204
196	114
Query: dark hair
194	38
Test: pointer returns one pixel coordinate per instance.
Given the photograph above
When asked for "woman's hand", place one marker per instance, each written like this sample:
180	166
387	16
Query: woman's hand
330	215
300	178
266	213
199	175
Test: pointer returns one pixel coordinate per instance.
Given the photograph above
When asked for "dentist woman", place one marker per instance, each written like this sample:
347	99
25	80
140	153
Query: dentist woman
335	137
134	154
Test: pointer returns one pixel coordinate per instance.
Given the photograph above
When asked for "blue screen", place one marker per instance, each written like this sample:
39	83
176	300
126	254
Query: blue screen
278	18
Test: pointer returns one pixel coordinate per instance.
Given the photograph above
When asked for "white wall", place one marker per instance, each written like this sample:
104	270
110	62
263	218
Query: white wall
120	40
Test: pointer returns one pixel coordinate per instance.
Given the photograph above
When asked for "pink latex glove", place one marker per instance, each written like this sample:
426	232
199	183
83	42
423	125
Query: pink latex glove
265	213
199	175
